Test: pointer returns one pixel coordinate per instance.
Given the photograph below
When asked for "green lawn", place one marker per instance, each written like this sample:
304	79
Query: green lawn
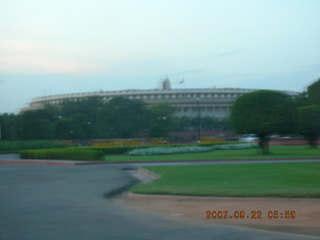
278	152
237	180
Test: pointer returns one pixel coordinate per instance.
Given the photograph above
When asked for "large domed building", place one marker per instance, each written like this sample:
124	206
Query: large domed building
209	102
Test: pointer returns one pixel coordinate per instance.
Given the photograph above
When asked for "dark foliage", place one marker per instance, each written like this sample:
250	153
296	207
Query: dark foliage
314	92
263	113
62	154
309	123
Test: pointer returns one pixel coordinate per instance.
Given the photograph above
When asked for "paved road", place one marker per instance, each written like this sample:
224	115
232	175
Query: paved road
70	203
9	156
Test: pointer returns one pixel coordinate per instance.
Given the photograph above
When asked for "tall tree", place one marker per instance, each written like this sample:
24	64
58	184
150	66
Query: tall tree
34	125
88	109
309	124
302	100
76	127
263	113
122	117
8	125
314	92
161	119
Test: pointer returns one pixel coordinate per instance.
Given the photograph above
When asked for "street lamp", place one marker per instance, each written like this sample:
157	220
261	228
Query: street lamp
199	126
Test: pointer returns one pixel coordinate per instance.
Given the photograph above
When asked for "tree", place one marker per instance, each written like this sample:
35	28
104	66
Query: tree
301	100
309	124
76	127
161	119
263	113
89	109
314	92
34	125
8	127
123	118
64	129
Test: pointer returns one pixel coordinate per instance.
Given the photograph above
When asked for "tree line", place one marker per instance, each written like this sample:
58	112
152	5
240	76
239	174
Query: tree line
268	112
92	118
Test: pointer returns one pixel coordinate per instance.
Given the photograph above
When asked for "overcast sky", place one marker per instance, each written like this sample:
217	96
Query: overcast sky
65	46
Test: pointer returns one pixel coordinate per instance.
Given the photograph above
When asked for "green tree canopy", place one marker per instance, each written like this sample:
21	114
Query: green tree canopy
8	125
161	119
263	113
122	117
302	100
309	123
34	125
314	92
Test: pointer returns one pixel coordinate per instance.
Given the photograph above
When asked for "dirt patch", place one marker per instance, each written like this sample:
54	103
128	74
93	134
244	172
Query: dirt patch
306	220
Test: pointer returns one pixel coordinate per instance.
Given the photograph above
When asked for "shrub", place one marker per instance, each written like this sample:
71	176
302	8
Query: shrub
123	149
113	150
63	154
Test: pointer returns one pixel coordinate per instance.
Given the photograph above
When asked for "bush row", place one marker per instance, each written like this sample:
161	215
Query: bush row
114	150
63	154
96	153
15	146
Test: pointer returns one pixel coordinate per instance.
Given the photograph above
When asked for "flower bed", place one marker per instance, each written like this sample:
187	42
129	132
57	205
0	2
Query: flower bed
187	149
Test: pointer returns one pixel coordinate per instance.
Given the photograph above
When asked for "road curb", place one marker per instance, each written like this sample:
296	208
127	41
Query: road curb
38	162
79	163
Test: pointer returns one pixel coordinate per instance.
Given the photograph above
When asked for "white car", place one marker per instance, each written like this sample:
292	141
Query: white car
248	138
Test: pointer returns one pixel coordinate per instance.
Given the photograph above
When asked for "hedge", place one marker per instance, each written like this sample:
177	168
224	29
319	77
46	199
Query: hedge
96	153
15	146
113	150
63	154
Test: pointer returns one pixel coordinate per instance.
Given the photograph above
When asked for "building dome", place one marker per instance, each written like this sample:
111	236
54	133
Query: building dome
166	84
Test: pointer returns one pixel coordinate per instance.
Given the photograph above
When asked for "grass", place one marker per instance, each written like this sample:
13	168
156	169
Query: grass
277	152
237	180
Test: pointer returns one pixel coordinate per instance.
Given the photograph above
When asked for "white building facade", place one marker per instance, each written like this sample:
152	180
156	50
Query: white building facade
208	102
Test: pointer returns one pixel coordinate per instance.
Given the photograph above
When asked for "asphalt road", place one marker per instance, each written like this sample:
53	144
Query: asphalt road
9	156
71	203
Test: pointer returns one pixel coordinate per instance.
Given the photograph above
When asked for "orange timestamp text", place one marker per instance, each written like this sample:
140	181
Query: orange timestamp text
253	214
